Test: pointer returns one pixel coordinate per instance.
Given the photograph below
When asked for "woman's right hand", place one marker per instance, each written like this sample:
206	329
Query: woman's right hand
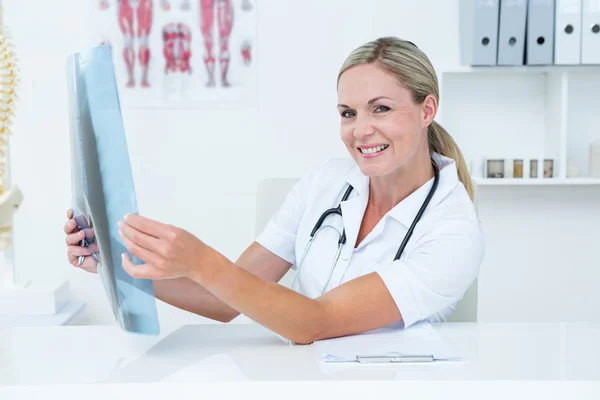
75	249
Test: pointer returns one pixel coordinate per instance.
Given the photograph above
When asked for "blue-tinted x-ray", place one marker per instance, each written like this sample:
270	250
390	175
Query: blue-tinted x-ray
102	184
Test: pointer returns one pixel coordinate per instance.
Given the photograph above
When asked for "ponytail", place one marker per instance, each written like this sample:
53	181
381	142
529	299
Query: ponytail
442	143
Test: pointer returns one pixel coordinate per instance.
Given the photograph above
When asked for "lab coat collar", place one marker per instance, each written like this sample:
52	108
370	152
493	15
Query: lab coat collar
405	211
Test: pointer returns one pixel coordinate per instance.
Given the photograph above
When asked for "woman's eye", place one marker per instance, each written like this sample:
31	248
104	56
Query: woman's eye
382	108
347	114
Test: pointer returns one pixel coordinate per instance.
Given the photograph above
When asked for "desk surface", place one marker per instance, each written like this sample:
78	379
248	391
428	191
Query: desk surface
249	352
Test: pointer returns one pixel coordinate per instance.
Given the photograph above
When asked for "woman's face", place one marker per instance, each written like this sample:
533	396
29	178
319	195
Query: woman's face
380	125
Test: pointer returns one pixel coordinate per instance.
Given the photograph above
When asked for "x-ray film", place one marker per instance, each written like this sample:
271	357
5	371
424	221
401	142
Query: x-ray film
102	184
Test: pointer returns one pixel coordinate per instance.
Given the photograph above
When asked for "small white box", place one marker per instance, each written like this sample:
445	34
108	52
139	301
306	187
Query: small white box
36	299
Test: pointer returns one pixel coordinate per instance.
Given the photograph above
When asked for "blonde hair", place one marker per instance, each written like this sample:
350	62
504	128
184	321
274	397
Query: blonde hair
414	71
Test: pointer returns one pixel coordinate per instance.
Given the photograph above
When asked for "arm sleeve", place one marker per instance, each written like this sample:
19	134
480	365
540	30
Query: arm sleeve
279	235
437	273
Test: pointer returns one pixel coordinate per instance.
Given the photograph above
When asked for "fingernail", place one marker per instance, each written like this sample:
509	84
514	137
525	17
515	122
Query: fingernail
120	224
121	233
126	216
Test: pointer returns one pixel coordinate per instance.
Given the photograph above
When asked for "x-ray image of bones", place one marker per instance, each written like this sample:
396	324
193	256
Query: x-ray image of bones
135	22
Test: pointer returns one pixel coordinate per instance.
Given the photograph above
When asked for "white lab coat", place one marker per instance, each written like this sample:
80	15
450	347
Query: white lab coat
439	263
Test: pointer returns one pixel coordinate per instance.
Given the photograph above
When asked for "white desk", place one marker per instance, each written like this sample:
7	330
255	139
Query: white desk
250	353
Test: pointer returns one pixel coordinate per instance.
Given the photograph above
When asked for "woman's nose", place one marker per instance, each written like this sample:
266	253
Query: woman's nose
363	127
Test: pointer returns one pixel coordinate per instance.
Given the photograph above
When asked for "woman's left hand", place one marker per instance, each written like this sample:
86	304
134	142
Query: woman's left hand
168	252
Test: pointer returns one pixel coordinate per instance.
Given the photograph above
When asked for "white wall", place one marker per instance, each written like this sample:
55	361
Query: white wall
198	169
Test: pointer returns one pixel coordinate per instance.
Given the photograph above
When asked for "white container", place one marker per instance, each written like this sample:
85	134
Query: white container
573	170
595	159
38	298
508	168
477	167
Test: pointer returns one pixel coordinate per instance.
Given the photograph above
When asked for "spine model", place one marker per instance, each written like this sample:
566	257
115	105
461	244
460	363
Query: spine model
8	96
10	195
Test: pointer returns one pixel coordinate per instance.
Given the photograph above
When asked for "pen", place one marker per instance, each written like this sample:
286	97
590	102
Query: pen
81	258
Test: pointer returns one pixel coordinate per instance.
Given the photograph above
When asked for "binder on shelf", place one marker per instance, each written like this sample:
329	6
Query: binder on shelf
590	32
540	32
567	40
511	32
479	32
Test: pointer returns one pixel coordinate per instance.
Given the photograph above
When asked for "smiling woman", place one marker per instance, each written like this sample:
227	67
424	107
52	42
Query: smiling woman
406	178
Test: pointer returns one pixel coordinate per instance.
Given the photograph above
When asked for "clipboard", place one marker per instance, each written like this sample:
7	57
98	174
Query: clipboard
420	343
395	358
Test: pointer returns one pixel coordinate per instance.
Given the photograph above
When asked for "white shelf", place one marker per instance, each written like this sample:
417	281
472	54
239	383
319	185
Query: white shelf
524	112
523	69
535	181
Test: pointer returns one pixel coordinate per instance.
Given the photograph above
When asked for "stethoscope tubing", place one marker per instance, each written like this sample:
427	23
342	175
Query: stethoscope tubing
342	235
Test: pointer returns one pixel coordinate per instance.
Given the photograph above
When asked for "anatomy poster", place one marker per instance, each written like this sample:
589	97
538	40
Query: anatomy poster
180	53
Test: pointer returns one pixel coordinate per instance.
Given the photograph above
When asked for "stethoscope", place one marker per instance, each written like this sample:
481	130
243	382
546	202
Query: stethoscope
342	235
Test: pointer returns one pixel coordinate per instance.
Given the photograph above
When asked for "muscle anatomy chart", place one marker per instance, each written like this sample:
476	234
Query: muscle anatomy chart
180	53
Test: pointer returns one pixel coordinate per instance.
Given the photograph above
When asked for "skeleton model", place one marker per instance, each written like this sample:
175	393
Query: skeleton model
10	195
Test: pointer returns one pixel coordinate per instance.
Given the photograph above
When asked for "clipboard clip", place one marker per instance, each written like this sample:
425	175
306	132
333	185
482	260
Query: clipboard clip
395	358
